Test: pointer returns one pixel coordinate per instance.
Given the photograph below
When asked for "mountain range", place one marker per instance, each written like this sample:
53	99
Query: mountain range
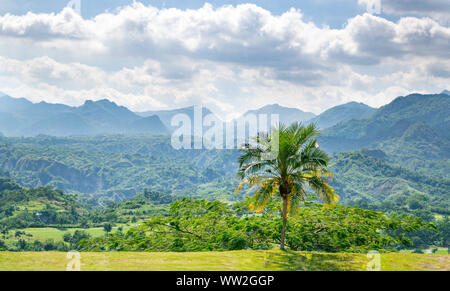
286	115
166	115
343	113
20	117
345	127
400	149
414	132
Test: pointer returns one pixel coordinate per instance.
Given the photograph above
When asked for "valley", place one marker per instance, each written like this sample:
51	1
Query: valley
126	179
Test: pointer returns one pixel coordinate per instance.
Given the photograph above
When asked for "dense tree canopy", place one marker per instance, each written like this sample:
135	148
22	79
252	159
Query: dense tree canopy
199	225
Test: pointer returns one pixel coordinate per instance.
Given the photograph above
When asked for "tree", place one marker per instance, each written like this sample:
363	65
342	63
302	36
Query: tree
5	231
107	227
67	237
299	163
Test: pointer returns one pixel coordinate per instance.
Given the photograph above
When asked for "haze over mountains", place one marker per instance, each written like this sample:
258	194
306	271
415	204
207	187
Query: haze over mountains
20	117
348	125
286	115
166	115
342	113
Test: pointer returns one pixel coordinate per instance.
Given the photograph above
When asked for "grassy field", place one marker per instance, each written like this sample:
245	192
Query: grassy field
221	261
45	233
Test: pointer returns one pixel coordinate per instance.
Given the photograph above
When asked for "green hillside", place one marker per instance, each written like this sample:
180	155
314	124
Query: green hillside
364	175
431	109
343	113
113	168
20	207
412	131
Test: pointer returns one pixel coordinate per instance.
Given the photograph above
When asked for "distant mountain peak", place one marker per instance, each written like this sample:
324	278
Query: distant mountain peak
355	103
21	117
10	99
287	115
342	113
446	92
275	105
394	118
102	101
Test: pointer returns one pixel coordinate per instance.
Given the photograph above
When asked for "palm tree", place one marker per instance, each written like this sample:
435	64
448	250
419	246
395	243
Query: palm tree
298	164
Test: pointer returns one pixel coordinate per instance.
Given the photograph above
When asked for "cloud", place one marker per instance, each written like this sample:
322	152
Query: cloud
439	69
230	58
67	25
377	38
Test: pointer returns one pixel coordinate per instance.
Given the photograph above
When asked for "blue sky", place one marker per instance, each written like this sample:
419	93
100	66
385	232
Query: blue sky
232	58
328	12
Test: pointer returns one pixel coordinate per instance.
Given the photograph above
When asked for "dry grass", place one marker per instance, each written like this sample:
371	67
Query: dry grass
219	261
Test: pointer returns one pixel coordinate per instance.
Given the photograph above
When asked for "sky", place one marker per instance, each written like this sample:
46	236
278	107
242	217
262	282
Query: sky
230	56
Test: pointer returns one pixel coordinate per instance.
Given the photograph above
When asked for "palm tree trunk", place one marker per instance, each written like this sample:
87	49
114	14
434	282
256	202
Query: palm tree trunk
283	230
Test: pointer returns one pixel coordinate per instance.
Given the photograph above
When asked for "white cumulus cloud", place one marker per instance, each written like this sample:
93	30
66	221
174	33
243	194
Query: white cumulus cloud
229	58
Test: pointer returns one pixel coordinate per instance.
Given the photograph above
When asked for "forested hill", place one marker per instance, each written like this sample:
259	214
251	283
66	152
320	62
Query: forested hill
21	207
366	176
114	168
118	167
413	131
430	109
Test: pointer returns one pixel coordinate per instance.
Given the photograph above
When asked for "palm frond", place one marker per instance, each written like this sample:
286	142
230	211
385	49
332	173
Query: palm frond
263	195
298	162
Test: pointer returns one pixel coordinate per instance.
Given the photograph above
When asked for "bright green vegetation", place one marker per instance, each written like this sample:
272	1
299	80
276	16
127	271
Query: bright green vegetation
199	225
114	168
368	182
409	194
46	233
399	167
21	207
412	131
46	207
363	176
220	261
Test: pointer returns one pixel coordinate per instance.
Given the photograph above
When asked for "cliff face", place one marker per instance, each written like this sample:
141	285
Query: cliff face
114	166
43	172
